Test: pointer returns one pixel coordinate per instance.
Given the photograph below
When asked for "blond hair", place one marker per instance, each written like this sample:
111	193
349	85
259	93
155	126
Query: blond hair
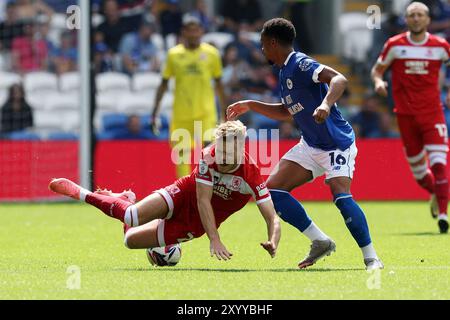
419	5
231	129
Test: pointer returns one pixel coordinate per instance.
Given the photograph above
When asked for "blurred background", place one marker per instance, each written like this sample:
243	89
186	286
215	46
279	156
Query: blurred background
40	79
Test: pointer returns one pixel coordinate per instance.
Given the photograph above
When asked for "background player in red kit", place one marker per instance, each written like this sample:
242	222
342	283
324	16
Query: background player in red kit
223	182
415	58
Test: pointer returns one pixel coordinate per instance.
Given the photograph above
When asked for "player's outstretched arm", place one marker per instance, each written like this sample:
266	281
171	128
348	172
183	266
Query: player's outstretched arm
274	111
273	227
337	84
377	74
204	195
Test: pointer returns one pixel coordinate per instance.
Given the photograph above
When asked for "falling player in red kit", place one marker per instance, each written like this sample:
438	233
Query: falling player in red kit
415	58
222	183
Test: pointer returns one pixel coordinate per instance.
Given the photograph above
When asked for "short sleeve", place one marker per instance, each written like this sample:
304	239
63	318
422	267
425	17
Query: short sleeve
257	185
168	68
387	55
204	171
446	57
308	70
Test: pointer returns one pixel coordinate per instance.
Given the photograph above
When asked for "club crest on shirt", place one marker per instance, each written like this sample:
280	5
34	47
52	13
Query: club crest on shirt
236	183
305	65
289	84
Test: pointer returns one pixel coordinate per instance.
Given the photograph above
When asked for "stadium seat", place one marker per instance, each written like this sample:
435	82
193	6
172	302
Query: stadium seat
23	135
106	101
218	39
39	82
171	40
8	79
63	136
352	20
70	119
47	121
148	81
356	44
356	38
113	121
158	40
36	100
113	82
57	101
135	103
69	82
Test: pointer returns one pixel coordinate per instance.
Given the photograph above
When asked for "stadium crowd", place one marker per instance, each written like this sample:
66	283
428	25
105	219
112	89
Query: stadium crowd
131	38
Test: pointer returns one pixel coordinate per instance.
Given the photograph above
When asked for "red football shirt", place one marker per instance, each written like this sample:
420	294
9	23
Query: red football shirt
231	191
415	72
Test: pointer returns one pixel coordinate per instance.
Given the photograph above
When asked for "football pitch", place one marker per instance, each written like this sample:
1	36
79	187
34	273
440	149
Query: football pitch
72	251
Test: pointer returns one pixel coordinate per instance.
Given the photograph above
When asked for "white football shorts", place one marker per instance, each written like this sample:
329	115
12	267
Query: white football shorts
333	163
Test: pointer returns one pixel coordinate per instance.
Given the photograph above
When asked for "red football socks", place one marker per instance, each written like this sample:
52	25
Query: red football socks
441	186
111	206
427	182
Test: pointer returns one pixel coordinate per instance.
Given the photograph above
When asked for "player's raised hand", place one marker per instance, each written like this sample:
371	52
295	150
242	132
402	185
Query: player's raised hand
237	109
381	88
270	247
321	113
218	249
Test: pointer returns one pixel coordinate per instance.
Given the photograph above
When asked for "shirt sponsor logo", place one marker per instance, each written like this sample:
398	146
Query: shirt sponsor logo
289	99
417	67
296	108
173	190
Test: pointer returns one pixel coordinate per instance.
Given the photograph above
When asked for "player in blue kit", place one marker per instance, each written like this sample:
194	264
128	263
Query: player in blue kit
309	91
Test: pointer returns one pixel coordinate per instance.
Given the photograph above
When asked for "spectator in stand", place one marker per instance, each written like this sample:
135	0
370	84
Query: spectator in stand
440	16
114	27
28	10
235	70
29	54
387	125
247	49
237	12
345	107
103	56
288	131
366	123
16	114
299	11
133	131
170	18
139	53
11	27
64	59
201	12
60	6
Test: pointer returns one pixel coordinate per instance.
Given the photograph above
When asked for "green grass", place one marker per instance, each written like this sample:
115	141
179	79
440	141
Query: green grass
38	243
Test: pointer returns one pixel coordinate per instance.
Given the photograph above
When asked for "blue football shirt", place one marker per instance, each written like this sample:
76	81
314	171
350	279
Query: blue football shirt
301	94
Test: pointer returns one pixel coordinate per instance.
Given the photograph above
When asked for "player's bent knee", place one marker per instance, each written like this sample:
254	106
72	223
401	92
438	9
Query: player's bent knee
129	241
